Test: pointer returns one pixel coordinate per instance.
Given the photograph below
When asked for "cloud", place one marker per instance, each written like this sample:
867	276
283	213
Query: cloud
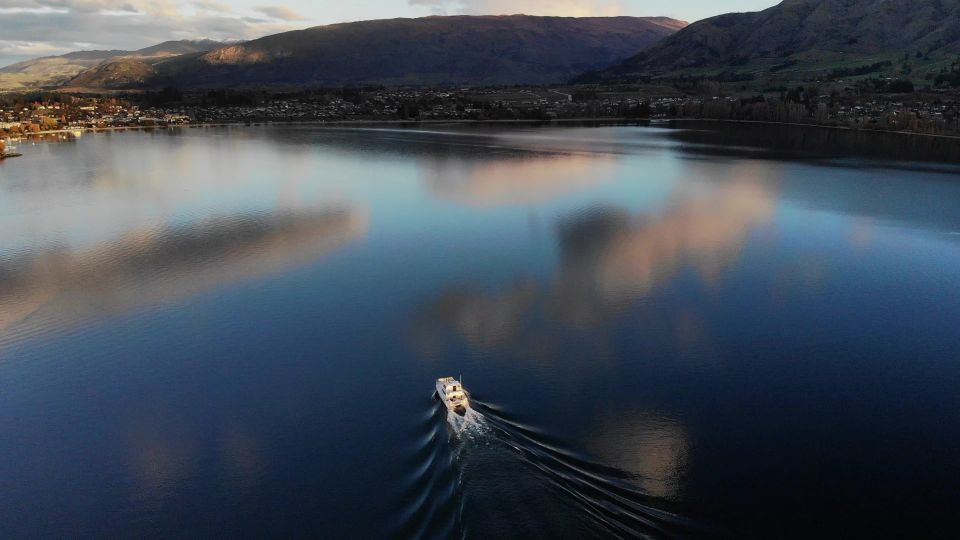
563	8
27	48
282	13
50	27
161	8
211	5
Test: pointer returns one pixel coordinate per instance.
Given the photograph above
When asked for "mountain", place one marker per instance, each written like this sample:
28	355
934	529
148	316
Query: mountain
176	48
424	51
50	70
57	70
802	34
114	74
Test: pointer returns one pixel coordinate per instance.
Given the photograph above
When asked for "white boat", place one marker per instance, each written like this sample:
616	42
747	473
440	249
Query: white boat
452	394
7	150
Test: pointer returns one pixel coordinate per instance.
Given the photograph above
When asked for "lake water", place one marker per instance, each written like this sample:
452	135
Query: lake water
696	332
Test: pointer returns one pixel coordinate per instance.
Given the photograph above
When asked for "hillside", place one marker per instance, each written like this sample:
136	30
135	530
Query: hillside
51	70
176	48
802	34
58	70
426	51
114	74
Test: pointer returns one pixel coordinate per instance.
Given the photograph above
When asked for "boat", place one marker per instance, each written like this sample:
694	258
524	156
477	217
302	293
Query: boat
452	394
7	150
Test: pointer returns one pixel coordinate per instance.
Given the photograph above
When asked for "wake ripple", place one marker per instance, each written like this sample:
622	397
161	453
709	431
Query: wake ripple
605	494
607	498
431	500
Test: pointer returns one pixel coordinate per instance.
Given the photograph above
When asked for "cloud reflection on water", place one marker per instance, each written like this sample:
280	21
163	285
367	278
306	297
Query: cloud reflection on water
651	447
159	461
491	183
609	259
58	284
488	166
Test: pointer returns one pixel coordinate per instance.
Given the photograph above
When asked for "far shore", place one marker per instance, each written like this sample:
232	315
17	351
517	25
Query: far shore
333	123
801	124
362	122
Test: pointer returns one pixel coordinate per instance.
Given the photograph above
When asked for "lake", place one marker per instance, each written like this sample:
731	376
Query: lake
702	330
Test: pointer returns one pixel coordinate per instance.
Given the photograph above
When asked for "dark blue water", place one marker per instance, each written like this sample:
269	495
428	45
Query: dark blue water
699	332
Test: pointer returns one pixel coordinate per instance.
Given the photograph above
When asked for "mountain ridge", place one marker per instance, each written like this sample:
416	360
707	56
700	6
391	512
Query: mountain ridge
436	50
56	70
801	32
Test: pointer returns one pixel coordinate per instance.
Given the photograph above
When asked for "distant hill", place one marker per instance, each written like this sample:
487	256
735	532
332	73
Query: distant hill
176	48
58	70
797	34
51	70
114	74
425	51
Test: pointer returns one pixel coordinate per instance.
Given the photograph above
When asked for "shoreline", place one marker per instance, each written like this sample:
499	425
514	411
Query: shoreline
369	122
800	124
335	123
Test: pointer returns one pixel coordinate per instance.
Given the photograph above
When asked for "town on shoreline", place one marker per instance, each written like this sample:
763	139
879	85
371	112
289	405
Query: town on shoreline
46	113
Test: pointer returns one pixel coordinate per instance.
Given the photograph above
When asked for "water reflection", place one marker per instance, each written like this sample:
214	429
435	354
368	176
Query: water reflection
764	141
609	258
484	166
163	453
485	321
630	310
242	458
516	181
651	447
159	462
60	284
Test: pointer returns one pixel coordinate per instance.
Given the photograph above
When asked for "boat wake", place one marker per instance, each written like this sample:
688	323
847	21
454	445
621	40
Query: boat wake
485	474
471	425
608	497
431	492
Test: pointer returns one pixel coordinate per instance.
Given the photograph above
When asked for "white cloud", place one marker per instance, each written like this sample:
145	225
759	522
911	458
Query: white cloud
211	5
48	27
28	48
18	9
282	13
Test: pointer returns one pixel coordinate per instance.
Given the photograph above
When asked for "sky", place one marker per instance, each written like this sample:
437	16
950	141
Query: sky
32	28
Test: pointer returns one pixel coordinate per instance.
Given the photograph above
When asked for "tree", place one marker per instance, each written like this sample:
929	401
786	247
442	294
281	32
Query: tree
900	86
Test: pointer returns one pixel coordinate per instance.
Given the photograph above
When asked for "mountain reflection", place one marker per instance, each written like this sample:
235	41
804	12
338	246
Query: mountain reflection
609	259
804	142
488	166
164	265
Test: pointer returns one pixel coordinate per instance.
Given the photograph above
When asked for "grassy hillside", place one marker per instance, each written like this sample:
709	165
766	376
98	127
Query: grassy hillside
59	70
